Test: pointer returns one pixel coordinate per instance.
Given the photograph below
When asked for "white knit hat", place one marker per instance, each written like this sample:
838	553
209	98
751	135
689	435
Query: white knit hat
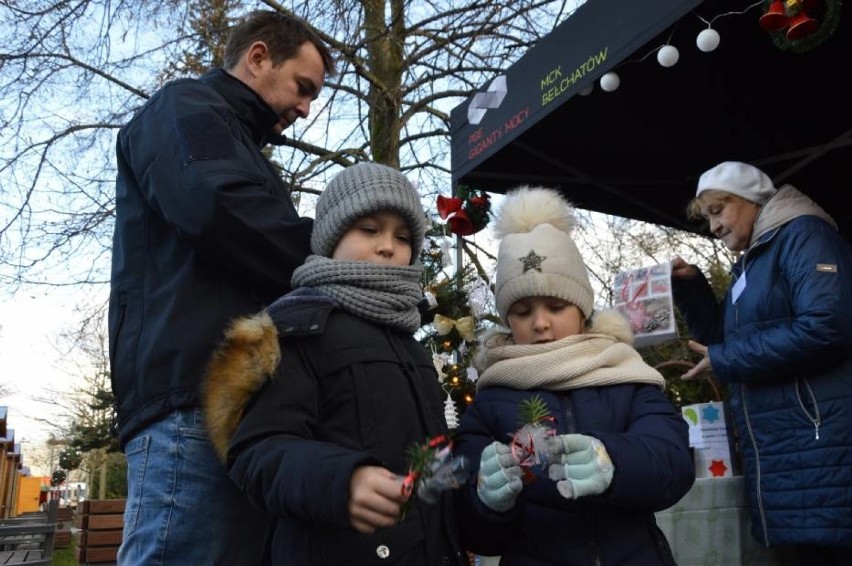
741	179
537	257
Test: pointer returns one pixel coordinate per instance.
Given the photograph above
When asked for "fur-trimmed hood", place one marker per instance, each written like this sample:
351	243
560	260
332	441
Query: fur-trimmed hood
246	358
249	354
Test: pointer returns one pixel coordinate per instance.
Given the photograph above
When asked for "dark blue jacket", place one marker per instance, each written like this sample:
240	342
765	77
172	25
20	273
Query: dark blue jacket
784	349
205	231
648	442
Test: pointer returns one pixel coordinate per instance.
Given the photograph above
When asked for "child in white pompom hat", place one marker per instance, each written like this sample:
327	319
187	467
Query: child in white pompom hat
616	449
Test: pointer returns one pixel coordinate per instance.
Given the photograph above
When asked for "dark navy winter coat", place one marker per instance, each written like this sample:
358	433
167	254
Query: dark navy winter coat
784	350
346	393
205	231
647	440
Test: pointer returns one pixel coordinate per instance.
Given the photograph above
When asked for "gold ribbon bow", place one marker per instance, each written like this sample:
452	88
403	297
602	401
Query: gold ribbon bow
443	324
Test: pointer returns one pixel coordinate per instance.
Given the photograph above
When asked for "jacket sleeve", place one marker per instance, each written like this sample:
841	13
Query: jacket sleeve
704	315
198	172
275	459
811	327
653	466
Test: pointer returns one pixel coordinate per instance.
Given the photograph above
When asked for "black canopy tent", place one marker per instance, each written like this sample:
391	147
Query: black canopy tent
638	151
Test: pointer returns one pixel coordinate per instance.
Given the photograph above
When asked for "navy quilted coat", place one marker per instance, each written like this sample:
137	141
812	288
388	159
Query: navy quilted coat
784	350
647	440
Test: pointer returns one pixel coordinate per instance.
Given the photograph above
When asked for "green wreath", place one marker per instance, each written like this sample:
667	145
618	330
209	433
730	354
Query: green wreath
828	15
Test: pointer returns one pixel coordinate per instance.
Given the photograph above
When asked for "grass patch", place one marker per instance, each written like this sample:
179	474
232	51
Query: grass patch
66	556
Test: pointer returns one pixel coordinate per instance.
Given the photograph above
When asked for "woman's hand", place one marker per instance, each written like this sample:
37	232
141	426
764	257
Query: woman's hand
683	270
703	369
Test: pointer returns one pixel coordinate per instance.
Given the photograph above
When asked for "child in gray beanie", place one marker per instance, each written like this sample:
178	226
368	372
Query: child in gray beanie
315	403
612	448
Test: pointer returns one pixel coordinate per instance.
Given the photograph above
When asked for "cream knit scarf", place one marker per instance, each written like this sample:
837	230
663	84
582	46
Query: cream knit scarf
385	294
583	360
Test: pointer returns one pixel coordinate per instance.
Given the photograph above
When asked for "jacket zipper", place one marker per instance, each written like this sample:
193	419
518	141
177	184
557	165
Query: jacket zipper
816	419
570	426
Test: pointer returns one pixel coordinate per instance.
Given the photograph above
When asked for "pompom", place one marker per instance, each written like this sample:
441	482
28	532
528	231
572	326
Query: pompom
524	208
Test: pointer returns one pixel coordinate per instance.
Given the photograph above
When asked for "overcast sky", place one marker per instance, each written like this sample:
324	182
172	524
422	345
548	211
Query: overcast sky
30	363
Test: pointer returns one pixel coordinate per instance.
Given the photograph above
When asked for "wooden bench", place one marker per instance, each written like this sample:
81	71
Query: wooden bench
29	540
64	518
101	524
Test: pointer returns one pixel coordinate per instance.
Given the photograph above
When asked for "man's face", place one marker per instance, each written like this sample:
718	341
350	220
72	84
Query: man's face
290	87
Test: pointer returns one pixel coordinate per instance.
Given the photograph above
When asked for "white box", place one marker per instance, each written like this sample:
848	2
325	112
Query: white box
710	439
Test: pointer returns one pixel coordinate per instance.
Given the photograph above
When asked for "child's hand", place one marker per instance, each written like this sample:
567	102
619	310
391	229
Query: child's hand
499	480
375	498
583	465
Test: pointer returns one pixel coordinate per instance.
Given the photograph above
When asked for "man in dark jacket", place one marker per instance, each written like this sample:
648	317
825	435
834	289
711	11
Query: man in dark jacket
205	231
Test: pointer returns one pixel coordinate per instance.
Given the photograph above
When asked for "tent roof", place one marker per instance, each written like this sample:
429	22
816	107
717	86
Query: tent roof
638	151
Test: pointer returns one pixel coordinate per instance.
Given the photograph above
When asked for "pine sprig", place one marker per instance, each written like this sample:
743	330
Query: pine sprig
532	411
419	456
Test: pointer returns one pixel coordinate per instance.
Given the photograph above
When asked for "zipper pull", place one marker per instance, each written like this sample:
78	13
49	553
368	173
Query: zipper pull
816	431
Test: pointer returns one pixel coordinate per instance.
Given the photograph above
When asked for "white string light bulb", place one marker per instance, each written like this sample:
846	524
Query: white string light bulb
668	55
610	82
707	40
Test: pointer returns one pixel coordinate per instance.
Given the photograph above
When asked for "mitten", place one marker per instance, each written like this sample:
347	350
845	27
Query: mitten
499	477
581	465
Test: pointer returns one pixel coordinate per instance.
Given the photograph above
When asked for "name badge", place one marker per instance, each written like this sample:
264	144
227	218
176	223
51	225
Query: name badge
738	288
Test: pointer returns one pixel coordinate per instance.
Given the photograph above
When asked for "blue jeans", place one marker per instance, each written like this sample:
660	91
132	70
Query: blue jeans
181	507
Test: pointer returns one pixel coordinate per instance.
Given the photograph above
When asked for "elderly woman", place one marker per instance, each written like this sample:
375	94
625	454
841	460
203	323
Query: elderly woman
781	339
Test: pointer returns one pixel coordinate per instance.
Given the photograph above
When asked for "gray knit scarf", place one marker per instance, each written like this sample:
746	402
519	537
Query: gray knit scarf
385	294
583	360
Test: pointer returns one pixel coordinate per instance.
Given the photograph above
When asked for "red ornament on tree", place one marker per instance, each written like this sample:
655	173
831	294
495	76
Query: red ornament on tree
467	213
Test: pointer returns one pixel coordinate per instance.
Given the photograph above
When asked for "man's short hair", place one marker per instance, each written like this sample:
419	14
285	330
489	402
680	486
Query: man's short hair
282	33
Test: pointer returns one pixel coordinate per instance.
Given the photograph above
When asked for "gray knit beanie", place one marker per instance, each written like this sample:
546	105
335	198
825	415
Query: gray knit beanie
537	257
362	189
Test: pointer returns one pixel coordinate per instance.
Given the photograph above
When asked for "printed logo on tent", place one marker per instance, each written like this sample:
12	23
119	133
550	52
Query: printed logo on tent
491	98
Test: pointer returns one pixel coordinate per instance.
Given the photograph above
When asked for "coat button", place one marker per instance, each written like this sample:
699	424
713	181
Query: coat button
382	551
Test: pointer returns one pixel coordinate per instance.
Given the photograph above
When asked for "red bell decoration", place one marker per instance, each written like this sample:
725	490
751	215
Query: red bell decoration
448	205
775	18
467	213
801	25
460	224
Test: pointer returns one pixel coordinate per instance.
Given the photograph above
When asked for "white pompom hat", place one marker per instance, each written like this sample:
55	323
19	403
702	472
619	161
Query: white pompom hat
537	256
